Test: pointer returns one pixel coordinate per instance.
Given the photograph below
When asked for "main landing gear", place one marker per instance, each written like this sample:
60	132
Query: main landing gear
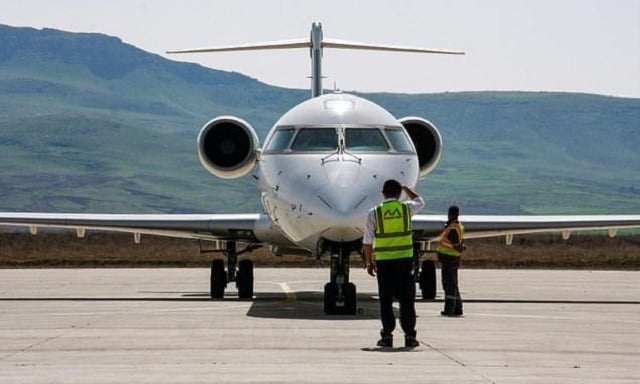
425	276
242	276
427	280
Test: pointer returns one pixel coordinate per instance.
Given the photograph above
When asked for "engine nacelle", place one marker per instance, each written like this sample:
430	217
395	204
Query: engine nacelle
228	147
427	140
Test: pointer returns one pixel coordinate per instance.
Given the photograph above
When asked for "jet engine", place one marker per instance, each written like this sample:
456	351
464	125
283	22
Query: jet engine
228	147
426	139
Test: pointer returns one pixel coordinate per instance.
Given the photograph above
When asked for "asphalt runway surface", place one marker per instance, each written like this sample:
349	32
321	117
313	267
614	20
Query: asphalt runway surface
159	326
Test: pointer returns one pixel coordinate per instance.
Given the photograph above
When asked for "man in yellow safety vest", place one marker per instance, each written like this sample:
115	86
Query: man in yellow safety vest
388	238
450	248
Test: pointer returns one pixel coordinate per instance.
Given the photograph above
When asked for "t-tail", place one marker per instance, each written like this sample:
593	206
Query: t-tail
315	43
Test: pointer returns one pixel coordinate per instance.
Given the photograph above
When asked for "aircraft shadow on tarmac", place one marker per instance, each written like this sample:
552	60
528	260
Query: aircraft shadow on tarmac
307	305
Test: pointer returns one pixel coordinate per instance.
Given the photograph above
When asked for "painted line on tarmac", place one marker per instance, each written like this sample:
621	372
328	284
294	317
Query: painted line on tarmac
291	296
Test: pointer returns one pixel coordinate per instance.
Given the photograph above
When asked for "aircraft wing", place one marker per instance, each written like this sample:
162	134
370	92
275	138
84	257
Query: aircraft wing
476	226
242	227
256	227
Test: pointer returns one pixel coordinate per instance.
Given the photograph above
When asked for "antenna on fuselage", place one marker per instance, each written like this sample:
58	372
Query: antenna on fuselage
316	43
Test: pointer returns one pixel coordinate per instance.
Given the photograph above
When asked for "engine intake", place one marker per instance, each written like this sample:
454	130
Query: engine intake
228	147
427	140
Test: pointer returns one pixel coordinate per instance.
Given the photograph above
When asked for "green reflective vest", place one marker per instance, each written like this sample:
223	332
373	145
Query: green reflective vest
393	238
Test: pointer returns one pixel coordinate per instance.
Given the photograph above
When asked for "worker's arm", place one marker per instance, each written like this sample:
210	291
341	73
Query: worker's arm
410	192
367	242
368	254
458	243
416	202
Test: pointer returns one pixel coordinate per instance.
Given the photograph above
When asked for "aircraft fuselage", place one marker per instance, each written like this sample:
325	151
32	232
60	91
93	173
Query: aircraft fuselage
324	163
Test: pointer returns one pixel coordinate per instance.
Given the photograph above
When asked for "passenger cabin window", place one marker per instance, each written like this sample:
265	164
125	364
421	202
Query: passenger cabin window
315	140
399	139
365	139
280	140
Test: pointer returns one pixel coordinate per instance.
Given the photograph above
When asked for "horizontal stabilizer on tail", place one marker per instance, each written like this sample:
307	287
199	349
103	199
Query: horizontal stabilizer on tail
316	43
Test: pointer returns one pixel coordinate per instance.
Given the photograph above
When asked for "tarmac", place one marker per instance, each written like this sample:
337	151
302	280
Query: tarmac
159	326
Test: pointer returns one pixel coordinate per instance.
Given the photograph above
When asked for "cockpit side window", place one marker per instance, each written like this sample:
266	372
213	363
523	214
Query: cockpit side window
315	140
365	139
399	139
280	140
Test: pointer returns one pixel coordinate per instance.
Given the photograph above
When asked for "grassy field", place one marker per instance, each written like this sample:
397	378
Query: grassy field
119	250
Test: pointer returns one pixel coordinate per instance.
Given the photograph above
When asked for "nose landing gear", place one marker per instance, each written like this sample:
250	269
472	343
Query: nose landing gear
339	293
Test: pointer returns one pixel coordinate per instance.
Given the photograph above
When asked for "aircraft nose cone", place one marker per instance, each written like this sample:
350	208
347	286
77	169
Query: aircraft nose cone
345	193
344	199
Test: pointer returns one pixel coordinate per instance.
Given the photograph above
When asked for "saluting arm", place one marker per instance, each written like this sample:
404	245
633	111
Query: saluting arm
410	192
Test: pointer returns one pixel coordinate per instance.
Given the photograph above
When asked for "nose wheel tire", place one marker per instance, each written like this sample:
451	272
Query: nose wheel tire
340	303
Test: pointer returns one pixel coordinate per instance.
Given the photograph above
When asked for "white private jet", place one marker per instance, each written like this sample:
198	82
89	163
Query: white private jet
319	172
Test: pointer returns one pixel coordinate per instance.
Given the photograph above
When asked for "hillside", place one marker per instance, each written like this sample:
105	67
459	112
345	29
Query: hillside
91	124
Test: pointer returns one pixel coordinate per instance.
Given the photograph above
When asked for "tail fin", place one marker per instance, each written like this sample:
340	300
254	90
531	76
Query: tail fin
316	43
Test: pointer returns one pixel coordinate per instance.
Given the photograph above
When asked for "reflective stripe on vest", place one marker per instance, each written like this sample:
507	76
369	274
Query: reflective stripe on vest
393	237
444	244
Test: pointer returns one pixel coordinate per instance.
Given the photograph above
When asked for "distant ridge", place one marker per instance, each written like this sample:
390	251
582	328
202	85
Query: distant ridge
91	124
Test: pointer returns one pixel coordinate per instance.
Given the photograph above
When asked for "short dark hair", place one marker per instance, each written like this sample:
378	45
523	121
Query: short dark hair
391	188
454	210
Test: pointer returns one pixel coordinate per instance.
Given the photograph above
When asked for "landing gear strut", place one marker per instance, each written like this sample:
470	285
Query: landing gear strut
339	293
242	276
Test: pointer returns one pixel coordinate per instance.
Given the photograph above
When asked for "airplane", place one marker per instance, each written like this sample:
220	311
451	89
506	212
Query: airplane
319	172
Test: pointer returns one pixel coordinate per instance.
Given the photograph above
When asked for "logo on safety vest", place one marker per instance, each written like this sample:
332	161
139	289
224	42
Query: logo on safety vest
395	214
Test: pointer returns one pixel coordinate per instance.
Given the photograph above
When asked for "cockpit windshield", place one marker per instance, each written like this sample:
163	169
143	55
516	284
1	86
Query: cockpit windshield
280	140
315	140
399	139
365	139
329	139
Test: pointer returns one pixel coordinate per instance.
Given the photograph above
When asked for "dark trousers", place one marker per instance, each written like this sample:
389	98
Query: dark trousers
452	299
395	278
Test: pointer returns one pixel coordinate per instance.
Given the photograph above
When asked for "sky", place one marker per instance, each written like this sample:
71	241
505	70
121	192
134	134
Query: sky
588	46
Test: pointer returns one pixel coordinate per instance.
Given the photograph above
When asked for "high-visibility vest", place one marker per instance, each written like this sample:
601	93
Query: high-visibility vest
393	237
444	244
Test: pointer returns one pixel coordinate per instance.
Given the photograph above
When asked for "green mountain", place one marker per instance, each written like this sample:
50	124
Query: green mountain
91	124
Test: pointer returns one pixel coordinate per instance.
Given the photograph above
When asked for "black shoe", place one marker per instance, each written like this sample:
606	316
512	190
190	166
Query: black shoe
385	342
447	314
411	342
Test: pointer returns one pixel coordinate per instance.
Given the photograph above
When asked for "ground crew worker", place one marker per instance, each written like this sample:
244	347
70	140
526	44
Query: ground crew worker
388	248
450	248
